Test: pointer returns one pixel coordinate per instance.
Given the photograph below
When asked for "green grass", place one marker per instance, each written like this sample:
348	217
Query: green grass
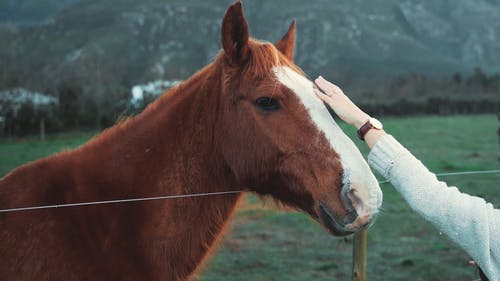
266	244
14	153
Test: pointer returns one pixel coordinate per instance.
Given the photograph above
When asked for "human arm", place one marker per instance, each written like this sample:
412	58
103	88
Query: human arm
469	221
345	108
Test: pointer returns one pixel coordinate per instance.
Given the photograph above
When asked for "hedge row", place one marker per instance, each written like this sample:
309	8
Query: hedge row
27	120
433	106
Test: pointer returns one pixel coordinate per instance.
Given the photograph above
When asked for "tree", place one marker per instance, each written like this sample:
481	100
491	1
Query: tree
69	93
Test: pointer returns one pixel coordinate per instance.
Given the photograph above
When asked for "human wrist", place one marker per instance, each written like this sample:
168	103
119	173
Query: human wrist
372	137
360	120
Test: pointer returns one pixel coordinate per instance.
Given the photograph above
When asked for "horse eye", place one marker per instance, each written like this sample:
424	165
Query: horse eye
267	103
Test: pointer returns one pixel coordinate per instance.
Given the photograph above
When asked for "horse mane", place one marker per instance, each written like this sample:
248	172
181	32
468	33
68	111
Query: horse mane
263	57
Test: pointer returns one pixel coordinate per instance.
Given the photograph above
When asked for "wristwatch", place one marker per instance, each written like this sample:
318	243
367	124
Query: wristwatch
372	123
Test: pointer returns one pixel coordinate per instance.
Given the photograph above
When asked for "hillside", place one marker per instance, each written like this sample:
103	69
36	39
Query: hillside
107	46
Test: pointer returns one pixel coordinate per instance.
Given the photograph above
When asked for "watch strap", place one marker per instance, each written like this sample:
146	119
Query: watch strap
364	129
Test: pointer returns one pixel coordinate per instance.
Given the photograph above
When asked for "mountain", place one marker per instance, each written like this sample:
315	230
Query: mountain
110	45
25	13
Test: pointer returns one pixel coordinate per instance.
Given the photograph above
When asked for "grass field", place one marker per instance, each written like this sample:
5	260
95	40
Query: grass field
269	244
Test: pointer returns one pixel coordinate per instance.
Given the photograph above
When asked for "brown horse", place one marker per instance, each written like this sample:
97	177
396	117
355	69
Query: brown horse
249	119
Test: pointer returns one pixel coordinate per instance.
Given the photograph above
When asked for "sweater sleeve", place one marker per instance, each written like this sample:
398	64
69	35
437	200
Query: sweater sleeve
468	220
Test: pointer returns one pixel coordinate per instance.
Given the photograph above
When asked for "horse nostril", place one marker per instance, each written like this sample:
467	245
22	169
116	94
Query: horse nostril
346	195
353	204
356	201
359	213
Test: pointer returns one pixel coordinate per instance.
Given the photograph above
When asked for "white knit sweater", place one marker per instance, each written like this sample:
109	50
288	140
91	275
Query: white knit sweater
469	221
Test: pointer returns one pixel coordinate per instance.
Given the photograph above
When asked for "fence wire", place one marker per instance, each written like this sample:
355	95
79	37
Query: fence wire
194	195
450	174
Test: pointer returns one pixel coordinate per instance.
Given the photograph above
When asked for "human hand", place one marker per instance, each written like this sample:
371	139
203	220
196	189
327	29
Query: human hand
339	102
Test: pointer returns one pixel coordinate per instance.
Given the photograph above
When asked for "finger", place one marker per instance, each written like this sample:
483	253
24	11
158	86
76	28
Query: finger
323	88
325	84
326	81
323	93
315	86
318	92
321	96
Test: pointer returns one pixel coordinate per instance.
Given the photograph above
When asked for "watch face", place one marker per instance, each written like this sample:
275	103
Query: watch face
375	123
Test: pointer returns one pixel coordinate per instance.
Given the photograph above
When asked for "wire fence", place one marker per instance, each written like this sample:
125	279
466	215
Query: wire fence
360	239
450	174
166	197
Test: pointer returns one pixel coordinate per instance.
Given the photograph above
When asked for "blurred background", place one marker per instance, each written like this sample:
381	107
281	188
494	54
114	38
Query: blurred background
428	69
75	63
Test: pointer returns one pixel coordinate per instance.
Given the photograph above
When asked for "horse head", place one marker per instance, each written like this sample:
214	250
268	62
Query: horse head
279	139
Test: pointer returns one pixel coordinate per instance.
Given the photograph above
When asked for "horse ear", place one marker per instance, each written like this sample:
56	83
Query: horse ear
235	34
286	44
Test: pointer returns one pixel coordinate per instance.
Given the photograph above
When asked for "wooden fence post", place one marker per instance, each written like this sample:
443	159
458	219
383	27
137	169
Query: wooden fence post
359	256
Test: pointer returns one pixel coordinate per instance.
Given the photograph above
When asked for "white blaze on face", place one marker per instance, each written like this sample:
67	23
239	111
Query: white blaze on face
356	170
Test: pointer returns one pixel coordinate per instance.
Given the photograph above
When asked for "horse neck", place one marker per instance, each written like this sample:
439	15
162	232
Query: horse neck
174	138
188	115
170	149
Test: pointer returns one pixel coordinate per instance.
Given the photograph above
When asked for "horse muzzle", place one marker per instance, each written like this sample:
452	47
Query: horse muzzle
361	209
333	223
